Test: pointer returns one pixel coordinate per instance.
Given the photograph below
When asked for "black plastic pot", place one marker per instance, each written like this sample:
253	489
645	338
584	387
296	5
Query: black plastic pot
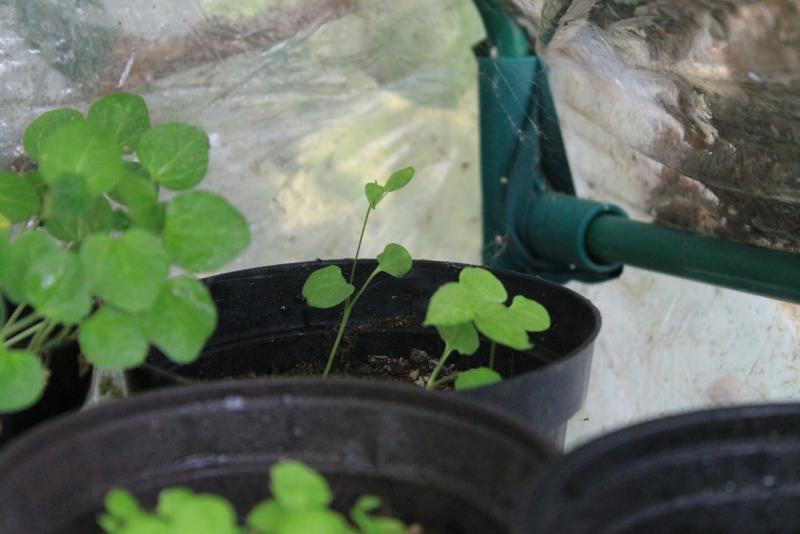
67	389
731	471
266	328
451	465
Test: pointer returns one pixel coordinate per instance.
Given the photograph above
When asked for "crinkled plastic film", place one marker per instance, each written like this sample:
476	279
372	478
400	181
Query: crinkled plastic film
701	99
304	102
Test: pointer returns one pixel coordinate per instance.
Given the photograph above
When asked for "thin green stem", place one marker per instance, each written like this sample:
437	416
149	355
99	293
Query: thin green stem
65	333
348	308
439	365
492	349
22	335
358	248
12	328
14	316
37	341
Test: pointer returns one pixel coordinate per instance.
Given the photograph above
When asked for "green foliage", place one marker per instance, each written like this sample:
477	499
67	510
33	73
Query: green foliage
327	287
476	301
475	378
86	232
299	505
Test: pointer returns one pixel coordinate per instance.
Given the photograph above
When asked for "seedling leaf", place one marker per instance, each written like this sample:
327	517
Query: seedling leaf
198	513
69	197
124	116
55	284
140	195
266	517
182	319
326	288
483	284
84	149
319	521
113	339
175	155
394	260
22	380
78	227
122	504
374	524
475	378
450	305
399	179
530	314
43	126
500	324
298	487
21	254
202	231
462	338
127	272
19	200
374	194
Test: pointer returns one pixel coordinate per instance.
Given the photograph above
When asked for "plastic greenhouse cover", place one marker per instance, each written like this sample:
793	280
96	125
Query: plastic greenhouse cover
304	102
702	98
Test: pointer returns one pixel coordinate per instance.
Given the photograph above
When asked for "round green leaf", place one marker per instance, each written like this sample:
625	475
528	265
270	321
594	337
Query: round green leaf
314	522
84	149
55	285
475	378
181	320
70	197
112	339
22	380
122	504
77	227
450	305
175	155
22	252
202	231
128	272
399	179
266	517
394	260
201	513
140	195
326	288
483	284
19	200
124	116
374	194
500	324
43	126
298	487
530	314
462	338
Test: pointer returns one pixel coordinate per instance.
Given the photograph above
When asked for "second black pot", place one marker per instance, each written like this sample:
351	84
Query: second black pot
727	471
451	465
266	328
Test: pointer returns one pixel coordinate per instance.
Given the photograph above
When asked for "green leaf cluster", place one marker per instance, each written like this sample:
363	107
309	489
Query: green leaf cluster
476	303
87	244
300	504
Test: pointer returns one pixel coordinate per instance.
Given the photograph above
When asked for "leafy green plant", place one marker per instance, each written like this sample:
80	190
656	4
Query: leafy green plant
327	287
476	303
300	504
86	246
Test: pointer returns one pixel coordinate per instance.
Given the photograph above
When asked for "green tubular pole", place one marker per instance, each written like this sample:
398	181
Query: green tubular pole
502	30
758	270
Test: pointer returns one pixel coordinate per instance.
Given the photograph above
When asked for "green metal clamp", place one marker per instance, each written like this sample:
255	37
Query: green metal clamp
539	226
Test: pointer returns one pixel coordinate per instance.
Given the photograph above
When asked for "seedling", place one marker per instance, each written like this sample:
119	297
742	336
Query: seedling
327	287
86	247
300	504
476	303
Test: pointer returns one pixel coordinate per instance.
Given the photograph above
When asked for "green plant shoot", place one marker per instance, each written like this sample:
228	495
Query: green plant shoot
327	287
300	504
86	246
476	303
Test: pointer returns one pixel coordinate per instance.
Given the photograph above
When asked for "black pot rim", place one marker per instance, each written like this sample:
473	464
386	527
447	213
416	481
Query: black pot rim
234	391
562	360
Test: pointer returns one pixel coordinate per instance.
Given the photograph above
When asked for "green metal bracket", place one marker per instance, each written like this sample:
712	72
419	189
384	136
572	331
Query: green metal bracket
539	226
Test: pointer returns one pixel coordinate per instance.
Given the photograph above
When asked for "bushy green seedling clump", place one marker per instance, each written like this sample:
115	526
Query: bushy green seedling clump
300	504
86	244
476	303
327	287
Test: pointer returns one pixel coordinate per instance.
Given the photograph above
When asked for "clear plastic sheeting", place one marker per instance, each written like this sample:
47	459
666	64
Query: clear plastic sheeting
304	102
704	94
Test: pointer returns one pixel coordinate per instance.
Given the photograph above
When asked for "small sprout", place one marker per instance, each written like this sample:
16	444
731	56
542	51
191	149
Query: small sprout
459	310
327	287
85	232
300	504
